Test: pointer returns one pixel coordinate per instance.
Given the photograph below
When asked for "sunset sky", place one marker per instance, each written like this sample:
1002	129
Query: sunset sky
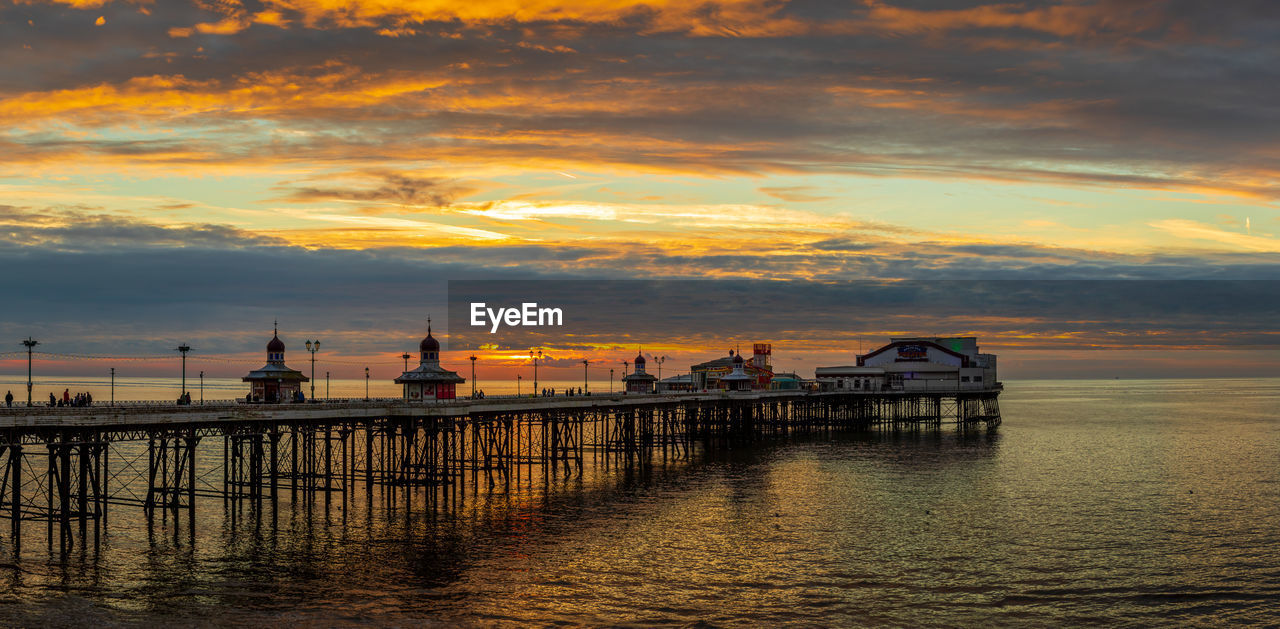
190	171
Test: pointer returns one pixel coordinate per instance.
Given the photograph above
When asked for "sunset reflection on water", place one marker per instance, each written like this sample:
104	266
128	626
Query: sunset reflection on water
1097	501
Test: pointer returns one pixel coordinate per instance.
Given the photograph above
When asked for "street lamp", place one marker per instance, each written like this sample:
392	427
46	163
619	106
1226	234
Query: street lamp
30	344
113	386
313	348
535	367
660	360
201	388
611	381
184	348
326	386
518	379
405	356
366	384
585	388
473	376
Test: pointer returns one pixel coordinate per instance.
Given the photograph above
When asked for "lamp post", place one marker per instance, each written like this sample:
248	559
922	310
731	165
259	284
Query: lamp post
183	349
660	360
611	381
405	356
585	388
113	386
201	388
313	348
518	379
535	367
473	376
30	344
326	386
366	384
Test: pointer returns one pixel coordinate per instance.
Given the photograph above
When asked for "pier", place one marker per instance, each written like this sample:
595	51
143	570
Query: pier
69	468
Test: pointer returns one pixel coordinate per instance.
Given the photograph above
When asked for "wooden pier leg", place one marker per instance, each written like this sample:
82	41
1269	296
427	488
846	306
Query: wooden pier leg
15	469
64	495
192	441
97	487
83	503
226	468
293	464
50	481
368	458
328	462
106	478
274	436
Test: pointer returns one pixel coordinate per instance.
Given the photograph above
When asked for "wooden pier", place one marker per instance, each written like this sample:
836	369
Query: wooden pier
69	467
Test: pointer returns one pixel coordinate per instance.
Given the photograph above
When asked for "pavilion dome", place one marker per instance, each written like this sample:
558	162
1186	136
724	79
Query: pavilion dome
639	361
276	345
429	344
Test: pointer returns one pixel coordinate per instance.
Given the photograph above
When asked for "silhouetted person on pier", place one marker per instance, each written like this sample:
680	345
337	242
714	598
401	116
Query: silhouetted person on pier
53	400
8	399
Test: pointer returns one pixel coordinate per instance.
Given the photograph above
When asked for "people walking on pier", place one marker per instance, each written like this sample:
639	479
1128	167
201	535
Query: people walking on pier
53	399
8	399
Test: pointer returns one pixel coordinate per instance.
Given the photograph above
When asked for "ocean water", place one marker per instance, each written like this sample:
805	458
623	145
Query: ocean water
1113	502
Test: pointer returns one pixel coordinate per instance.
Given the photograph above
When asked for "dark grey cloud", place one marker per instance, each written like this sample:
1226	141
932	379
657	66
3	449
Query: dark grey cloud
84	229
1040	314
109	282
387	187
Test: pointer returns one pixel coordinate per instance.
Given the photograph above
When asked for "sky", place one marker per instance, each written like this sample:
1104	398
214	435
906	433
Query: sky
193	171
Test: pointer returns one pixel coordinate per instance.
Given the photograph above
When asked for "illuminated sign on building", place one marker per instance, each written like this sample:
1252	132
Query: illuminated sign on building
912	352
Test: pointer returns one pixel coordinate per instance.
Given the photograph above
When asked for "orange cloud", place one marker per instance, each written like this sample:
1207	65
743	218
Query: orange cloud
726	17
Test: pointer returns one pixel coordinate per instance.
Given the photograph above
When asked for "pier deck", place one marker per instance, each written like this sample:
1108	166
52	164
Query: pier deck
66	466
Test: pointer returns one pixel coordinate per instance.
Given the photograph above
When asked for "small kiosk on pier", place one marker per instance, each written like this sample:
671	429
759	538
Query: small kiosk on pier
275	381
429	381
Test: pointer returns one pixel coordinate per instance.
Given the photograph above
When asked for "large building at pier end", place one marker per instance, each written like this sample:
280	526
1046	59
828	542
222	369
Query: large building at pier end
914	364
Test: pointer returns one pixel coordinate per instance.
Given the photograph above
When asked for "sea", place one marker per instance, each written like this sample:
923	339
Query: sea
1096	502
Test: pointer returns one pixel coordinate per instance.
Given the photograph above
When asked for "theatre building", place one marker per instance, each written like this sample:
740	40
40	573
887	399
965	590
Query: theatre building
758	371
915	364
429	381
275	381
